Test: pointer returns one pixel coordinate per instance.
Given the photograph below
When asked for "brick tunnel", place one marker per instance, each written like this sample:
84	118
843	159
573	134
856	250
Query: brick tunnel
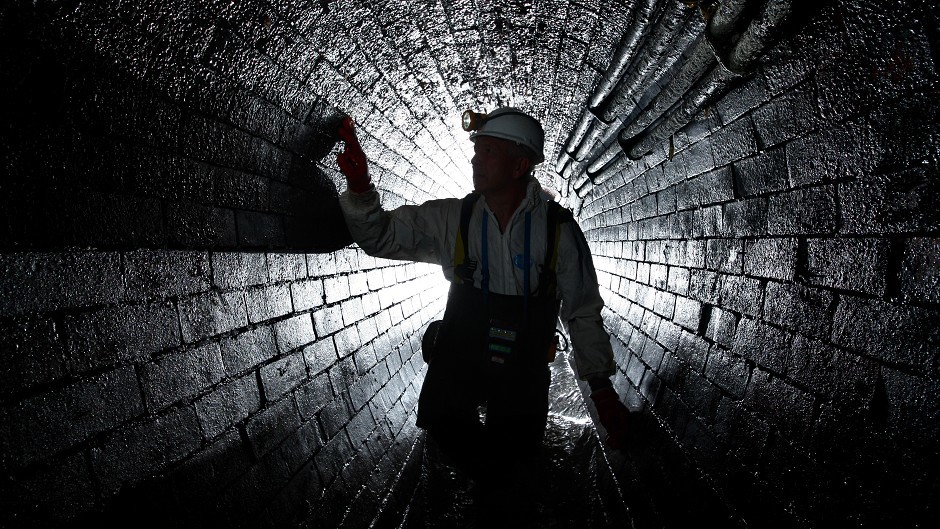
192	339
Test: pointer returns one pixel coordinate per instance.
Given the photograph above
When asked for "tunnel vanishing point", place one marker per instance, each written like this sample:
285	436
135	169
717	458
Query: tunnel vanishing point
191	339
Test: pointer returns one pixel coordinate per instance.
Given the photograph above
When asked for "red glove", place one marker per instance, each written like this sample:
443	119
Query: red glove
352	161
614	416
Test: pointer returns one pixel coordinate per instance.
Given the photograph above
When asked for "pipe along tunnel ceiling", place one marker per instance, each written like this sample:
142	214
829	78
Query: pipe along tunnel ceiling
191	337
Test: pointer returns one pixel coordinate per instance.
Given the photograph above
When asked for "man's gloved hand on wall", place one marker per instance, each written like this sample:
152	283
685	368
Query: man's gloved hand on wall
614	416
352	161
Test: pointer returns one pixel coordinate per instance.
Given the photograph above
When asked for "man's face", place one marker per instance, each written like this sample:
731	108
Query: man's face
497	165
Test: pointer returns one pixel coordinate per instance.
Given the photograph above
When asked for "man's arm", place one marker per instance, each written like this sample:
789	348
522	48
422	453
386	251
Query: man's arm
581	312
405	233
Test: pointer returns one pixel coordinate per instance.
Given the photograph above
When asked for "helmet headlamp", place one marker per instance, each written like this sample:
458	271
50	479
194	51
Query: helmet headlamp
471	120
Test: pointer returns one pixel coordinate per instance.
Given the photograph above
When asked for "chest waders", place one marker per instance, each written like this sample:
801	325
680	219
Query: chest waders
492	348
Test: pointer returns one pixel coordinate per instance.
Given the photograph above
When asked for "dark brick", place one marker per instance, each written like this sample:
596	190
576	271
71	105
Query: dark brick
39	427
192	225
213	467
725	255
239	190
211	314
249	349
120	334
733	142
897	202
704	286
153	274
228	404
834	374
181	375
767	346
745	435
250	492
803	309
742	294
45	362
43	282
743	98
83	218
361	426
849	264
803	212
283	375
688	312
786	117
706	189
722	325
698	156
693	349
831	154
138	451
912	405
65	492
746	218
272	425
770	258
761	174
898	334
699	394
259	230
652	354
292	500
334	415
313	395
919	276
666	201
781	404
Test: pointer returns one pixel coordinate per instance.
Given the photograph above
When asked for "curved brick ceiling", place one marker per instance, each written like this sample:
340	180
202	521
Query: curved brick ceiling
420	63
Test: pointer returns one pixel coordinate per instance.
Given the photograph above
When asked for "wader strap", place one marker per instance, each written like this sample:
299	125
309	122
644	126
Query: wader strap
463	269
552	236
526	258
486	261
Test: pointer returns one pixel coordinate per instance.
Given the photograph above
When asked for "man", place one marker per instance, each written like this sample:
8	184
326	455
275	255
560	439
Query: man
515	263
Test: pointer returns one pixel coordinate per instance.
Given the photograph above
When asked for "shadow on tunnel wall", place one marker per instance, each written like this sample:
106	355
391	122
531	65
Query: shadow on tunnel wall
95	158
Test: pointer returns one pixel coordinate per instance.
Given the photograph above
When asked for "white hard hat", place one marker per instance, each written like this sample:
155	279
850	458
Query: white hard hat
511	124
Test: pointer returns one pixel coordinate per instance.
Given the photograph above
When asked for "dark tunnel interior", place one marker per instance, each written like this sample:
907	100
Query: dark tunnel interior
191	338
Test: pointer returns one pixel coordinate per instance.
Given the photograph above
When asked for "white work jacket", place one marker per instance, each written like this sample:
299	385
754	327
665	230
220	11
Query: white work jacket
428	232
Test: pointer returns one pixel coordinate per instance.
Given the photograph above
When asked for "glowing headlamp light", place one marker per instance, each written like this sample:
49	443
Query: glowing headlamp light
472	120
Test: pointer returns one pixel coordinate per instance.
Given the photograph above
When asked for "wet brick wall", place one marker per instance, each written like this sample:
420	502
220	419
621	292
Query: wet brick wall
190	338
